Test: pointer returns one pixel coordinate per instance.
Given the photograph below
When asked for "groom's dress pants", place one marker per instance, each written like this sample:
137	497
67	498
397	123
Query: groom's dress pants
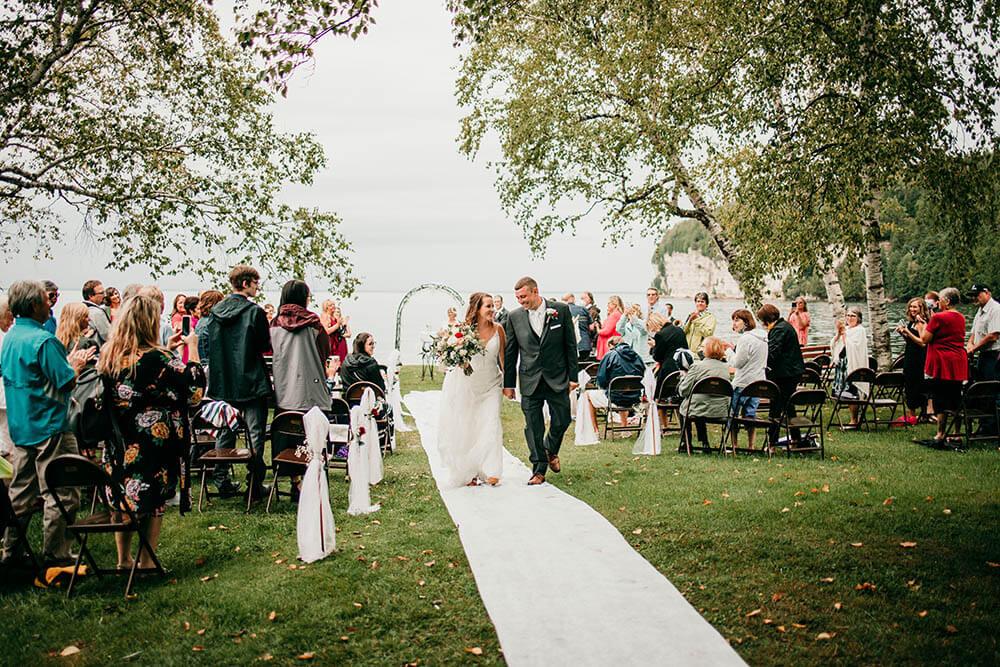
541	445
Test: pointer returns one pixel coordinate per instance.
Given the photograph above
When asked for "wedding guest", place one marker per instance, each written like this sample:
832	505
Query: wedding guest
947	363
239	338
301	347
452	318
178	312
336	328
582	319
587	301
699	407
914	358
749	360
700	324
74	330
38	376
632	328
984	343
666	341
112	302
6	322
360	365
207	300
191	308
269	312
52	293
799	319
932	300
153	391
131	290
166	327
621	360
610	327
849	349
653	304
500	313
100	322
784	364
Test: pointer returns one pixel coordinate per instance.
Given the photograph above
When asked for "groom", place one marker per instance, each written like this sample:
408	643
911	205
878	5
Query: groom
541	333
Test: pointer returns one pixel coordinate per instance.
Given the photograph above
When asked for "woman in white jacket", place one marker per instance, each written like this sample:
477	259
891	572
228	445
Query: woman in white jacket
749	359
849	349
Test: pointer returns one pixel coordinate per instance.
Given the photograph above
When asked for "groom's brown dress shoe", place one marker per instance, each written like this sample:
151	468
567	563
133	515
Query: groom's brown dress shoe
554	463
536	480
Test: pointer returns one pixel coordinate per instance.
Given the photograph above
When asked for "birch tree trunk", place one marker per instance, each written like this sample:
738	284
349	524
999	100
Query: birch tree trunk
834	292
878	307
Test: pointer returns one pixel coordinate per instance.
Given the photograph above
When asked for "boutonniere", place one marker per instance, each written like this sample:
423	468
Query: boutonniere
551	314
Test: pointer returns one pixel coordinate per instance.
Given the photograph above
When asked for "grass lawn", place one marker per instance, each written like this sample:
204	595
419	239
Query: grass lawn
398	591
792	538
774	553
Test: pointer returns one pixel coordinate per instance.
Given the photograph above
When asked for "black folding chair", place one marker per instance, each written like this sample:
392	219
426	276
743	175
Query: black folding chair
807	404
9	519
353	397
979	405
863	375
825	367
72	471
623	384
210	457
711	387
814	366
668	401
873	363
769	396
340	432
811	379
591	370
897	363
887	394
287	434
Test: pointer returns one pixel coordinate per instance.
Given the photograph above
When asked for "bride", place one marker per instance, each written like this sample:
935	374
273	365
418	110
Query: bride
470	439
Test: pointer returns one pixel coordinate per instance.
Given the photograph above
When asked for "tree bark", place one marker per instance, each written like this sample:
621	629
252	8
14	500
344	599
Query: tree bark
878	305
831	280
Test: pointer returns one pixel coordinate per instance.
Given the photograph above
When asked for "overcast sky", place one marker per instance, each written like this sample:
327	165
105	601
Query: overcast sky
416	210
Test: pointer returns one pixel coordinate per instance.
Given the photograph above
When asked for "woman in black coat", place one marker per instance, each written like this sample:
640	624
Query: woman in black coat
360	365
914	357
666	341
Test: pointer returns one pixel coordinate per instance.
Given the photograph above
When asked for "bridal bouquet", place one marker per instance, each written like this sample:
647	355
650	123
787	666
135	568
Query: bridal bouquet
455	346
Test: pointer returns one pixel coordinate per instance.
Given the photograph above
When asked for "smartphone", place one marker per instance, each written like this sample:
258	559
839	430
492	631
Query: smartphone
186	325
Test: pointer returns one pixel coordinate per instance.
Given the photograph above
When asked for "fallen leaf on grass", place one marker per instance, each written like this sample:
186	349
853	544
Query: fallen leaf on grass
754	613
358	605
825	488
837	606
799	493
907	545
197	648
308	655
780	628
800	626
426	552
475	650
402	558
950	629
922	614
866	586
187	626
267	657
374	564
827	580
785	509
430	563
725	495
888	501
201	632
913	585
279	561
992	564
344	638
826	635
706	501
69	650
273	615
237	549
929	499
857	544
777	596
198	562
637	531
293	566
947	511
768	621
421	582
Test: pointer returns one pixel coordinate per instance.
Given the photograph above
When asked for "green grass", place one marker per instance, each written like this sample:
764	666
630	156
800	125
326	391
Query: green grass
739	553
398	590
779	536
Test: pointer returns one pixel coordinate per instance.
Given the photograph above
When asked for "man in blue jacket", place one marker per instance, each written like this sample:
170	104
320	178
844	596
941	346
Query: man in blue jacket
620	360
239	336
584	344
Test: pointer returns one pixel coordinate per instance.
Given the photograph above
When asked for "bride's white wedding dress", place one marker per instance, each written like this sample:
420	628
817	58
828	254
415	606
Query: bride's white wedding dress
470	439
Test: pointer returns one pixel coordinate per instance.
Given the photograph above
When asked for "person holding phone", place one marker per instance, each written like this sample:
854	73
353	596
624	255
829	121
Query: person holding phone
914	358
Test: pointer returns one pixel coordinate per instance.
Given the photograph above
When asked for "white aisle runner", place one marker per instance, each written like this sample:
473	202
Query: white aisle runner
560	583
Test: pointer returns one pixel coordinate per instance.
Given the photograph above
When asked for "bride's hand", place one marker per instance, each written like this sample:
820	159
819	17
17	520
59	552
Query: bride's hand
509	393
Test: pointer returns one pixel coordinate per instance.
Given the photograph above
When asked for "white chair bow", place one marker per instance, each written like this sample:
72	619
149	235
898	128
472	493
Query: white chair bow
648	441
584	433
315	528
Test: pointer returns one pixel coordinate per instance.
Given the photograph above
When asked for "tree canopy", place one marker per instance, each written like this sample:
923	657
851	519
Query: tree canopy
146	121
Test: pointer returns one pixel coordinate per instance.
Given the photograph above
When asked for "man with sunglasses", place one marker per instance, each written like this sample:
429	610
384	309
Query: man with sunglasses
100	321
52	294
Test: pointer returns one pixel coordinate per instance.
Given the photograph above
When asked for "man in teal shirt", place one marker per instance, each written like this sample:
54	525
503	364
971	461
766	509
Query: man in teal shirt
38	376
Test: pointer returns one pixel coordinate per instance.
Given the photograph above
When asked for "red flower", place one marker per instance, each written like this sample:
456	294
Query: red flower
458	334
361	431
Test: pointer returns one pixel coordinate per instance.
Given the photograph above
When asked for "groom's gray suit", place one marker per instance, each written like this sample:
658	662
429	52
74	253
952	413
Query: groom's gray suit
548	363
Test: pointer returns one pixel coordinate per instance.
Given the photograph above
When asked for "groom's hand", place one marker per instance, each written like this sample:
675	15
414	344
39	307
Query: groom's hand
509	393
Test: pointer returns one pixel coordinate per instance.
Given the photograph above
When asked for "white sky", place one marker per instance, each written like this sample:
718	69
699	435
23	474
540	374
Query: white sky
414	209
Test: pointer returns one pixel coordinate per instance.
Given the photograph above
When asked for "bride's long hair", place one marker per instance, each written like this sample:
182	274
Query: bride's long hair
475	303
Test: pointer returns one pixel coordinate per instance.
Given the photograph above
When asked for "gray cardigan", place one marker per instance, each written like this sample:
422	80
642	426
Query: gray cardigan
703	406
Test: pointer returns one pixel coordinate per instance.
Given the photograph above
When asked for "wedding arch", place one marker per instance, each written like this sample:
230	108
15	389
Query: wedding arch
406	298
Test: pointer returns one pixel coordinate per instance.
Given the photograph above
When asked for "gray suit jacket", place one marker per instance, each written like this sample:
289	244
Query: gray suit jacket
551	357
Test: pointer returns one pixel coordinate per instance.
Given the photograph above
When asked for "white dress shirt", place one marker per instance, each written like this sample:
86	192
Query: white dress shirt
536	317
987	321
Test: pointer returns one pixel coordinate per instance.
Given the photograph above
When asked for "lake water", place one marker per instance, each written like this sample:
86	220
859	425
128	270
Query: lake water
375	312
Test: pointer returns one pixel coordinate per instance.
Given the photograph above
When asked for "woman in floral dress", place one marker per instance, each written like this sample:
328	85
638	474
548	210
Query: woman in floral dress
152	389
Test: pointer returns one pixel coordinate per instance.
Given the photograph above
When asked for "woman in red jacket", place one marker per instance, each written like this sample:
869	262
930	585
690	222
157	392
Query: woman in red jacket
609	326
947	363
